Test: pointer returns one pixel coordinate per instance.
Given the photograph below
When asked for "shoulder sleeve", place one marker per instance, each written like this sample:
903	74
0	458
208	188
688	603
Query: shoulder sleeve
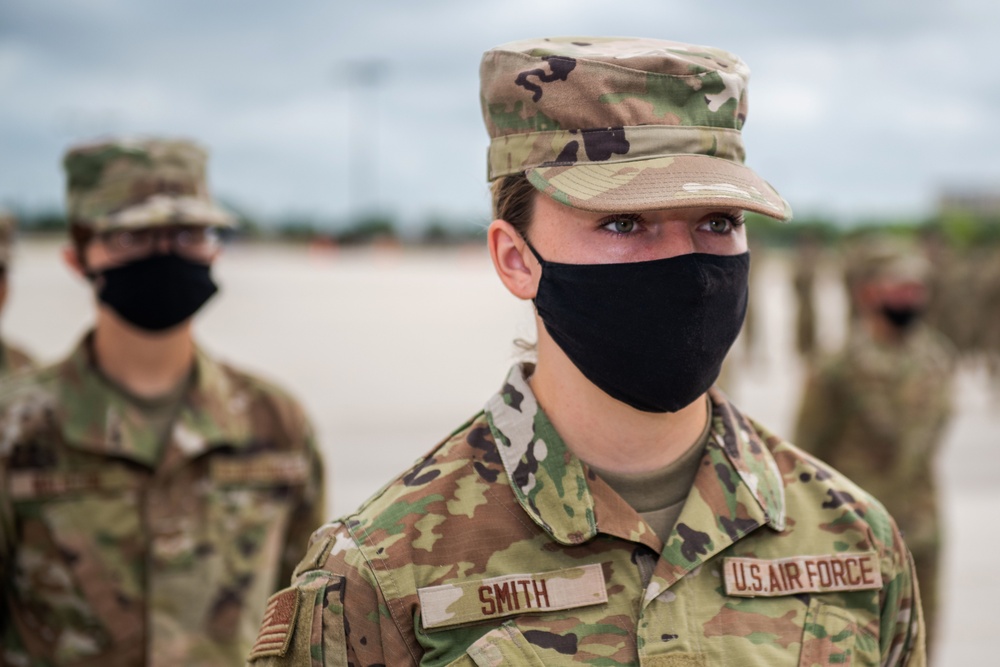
310	511
24	406
279	417
6	520
902	635
341	617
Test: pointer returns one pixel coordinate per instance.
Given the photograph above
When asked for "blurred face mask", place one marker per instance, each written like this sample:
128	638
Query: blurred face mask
158	292
650	334
902	317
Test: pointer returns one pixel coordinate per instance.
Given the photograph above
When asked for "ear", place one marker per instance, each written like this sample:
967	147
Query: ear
517	267
72	260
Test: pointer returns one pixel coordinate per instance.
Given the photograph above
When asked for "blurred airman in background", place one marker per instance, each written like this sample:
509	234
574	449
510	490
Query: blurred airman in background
877	409
12	359
804	267
152	498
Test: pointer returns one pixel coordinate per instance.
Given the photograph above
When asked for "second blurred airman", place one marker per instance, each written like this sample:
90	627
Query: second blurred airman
152	498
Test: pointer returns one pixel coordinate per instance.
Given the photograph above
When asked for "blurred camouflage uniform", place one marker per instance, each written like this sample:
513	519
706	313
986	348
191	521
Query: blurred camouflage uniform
122	543
12	358
461	561
876	412
804	266
501	547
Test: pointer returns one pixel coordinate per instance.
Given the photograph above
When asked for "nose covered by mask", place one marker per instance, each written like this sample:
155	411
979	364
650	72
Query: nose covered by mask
651	334
158	292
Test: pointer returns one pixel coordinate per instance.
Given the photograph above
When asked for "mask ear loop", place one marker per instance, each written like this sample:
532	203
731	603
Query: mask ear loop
535	253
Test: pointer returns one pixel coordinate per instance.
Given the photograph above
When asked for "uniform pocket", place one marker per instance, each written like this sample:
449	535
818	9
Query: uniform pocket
502	646
239	544
832	636
249	505
78	567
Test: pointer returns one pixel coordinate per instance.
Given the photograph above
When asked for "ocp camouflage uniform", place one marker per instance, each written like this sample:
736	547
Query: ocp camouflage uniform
876	413
500	547
118	549
804	266
13	359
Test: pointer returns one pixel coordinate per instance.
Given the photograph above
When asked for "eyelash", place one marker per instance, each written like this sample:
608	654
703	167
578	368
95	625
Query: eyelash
735	220
635	218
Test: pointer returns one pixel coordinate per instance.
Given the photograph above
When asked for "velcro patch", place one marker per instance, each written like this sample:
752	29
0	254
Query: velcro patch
270	468
278	625
757	577
25	485
511	594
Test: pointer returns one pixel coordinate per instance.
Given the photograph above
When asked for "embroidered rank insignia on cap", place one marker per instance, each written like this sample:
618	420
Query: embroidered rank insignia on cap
278	625
756	577
511	594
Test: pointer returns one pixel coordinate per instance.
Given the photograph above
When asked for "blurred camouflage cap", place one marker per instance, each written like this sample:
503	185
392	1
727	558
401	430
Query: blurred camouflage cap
123	183
888	258
8	227
612	123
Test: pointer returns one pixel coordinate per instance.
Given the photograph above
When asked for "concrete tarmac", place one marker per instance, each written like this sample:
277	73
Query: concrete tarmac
391	350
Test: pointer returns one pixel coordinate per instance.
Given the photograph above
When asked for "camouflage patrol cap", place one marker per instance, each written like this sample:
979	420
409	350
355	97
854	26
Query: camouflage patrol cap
124	183
890	259
8	226
611	124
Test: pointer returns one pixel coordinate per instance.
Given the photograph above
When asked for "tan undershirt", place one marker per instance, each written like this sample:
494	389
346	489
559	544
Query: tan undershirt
159	412
658	496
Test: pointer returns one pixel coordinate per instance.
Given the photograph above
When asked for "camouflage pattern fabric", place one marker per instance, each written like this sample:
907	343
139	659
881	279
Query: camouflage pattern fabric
14	360
612	124
500	547
117	550
139	183
804	267
876	412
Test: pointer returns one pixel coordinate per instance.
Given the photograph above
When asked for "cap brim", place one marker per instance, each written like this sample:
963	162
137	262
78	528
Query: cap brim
162	210
676	181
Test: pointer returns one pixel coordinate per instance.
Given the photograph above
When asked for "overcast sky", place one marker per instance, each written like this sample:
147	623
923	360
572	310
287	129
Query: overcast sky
857	108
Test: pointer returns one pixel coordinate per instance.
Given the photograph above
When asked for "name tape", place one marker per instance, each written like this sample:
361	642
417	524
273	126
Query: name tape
755	577
511	594
26	485
289	468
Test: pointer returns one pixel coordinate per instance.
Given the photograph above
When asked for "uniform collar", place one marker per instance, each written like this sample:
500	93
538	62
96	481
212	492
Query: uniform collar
551	485
96	416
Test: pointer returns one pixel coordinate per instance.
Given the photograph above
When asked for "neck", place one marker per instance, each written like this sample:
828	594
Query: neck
144	364
603	431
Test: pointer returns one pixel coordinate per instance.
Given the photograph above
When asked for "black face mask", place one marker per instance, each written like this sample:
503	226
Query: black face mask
158	292
650	334
902	318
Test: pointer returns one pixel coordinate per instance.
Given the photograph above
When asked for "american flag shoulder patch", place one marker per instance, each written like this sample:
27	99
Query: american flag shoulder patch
278	625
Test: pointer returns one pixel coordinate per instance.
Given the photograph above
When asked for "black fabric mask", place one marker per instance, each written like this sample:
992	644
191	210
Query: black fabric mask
902	318
650	334
157	292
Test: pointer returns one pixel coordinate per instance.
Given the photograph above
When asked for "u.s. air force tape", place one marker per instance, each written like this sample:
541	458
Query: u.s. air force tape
753	577
511	594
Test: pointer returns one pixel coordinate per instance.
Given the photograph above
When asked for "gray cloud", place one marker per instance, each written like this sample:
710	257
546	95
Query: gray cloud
857	108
